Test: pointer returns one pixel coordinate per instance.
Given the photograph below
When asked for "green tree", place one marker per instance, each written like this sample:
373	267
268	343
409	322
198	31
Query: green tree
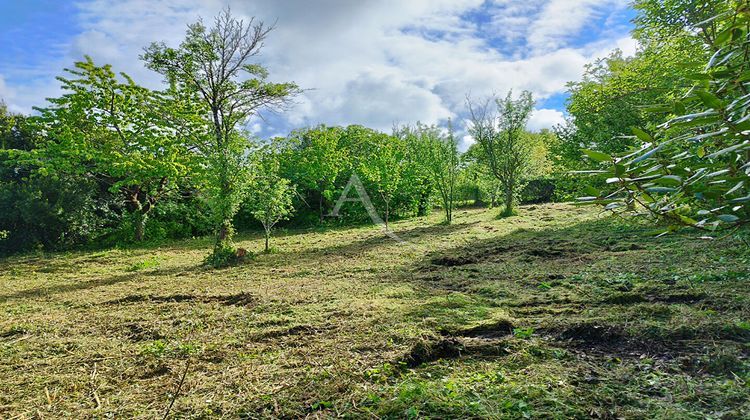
438	155
694	169
271	201
501	134
382	165
117	133
213	65
313	158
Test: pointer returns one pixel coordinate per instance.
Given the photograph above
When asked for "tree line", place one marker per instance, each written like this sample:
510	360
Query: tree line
111	162
662	134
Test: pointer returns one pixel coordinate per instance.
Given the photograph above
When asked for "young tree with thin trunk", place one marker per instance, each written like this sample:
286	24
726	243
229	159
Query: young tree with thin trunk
499	126
437	155
271	201
382	165
214	65
443	163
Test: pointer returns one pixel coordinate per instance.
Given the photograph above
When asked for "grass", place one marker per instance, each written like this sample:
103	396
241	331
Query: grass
557	312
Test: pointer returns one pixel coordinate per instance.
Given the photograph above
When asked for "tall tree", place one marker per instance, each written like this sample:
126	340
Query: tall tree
215	66
500	130
117	133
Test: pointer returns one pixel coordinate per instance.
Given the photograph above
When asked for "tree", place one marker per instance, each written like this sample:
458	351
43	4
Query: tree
117	133
438	155
694	169
214	66
271	201
504	146
382	165
313	158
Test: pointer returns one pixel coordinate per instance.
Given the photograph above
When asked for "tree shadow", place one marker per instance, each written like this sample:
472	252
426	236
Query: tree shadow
38	292
379	238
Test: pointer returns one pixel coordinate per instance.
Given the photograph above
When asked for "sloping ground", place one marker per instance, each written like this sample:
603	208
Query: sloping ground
559	312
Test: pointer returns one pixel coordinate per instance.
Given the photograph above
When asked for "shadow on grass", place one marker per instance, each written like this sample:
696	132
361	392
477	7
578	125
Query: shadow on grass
378	239
39	292
577	283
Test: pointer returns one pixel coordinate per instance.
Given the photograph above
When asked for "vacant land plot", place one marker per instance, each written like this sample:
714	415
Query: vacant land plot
559	312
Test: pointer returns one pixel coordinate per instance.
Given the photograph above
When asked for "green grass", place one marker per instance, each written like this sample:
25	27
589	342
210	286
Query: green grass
557	312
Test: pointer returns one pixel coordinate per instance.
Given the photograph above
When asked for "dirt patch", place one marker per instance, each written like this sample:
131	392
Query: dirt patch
239	299
136	332
634	298
593	333
491	330
429	351
454	261
610	340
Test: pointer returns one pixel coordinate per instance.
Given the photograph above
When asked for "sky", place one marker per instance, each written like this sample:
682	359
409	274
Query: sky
370	62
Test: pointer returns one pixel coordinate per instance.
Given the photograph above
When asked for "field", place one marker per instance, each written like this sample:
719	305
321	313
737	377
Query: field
558	312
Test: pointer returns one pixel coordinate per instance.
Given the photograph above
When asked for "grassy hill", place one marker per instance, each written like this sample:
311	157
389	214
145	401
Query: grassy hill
558	312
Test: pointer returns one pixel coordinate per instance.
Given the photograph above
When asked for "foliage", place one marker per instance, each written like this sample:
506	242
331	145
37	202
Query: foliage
383	163
505	148
437	154
116	133
693	169
271	201
613	95
313	158
213	66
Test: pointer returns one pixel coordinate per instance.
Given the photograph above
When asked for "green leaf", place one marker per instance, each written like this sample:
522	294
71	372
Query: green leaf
642	135
710	100
728	218
669	180
597	156
592	191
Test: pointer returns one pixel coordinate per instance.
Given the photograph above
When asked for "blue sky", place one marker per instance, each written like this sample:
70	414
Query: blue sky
368	62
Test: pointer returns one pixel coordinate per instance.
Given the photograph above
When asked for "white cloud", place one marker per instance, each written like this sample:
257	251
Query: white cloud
545	118
366	62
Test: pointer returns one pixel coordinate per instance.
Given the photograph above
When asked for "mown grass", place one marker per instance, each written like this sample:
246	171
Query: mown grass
557	312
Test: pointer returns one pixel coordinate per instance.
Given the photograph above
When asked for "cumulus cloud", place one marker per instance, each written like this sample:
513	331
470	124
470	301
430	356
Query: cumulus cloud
545	118
372	62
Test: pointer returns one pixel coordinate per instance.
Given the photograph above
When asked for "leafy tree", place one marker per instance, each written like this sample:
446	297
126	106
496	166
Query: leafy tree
116	133
271	201
382	165
438	155
694	169
615	95
313	158
505	147
214	66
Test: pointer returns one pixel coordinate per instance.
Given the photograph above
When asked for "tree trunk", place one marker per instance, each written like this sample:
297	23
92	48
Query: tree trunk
224	234
140	225
320	206
508	201
268	235
386	215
